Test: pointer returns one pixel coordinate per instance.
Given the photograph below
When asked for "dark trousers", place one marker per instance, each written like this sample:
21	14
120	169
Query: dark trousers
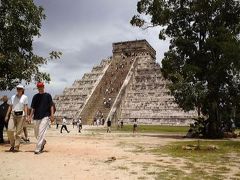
65	127
1	131
79	128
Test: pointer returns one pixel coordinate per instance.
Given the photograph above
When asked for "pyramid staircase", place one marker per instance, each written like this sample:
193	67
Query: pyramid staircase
133	81
73	98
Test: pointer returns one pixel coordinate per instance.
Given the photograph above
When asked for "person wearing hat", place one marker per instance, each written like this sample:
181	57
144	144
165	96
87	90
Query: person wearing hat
18	110
3	111
42	112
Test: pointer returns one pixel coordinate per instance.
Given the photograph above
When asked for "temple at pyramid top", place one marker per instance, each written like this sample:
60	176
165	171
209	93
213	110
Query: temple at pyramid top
137	46
127	86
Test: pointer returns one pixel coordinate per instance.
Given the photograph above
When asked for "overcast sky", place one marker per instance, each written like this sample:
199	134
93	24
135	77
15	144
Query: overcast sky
84	30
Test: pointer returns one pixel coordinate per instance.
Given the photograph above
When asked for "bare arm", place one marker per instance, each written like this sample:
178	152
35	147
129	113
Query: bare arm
25	109
26	112
8	112
31	115
52	114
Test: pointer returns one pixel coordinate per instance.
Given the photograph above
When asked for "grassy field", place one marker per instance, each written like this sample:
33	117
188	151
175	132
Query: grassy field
204	163
147	129
204	154
156	129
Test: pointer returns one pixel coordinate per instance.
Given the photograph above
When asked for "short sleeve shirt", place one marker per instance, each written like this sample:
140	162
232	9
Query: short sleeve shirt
18	103
64	121
41	103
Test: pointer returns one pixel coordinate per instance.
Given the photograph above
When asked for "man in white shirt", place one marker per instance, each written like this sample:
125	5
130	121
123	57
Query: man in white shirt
64	125
79	123
18	109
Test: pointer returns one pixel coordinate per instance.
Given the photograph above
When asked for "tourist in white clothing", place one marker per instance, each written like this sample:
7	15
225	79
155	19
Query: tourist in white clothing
18	109
64	125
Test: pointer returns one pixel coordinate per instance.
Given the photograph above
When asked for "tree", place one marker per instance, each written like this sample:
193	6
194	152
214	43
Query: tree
20	22
203	60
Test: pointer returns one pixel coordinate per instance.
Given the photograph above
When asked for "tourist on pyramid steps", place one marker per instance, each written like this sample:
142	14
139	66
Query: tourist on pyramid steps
3	111
64	125
18	110
108	103
42	113
135	125
106	92
79	124
104	101
109	123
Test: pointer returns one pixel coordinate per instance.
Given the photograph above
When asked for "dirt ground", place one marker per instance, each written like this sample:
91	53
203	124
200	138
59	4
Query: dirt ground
89	155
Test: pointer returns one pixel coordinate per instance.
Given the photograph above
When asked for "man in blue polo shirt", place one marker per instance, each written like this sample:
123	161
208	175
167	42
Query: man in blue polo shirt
42	112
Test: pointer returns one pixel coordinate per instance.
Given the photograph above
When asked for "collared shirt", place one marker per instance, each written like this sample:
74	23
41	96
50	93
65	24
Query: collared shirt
42	103
19	102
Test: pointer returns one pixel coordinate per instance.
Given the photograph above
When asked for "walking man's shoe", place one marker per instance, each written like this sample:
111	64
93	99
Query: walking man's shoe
37	152
43	144
16	149
11	149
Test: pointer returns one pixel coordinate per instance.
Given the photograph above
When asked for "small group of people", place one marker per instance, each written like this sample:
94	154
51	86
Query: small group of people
107	102
98	119
109	124
77	122
17	115
120	124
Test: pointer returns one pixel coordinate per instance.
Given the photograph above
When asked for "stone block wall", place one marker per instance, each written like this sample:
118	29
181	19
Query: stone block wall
133	81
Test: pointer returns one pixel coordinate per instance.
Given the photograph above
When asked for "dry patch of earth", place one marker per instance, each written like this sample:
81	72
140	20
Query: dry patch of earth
98	155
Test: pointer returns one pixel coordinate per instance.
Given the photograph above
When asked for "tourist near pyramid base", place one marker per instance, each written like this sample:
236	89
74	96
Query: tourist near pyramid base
126	86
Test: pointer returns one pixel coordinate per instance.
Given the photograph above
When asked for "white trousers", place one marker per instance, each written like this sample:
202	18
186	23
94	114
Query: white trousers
40	129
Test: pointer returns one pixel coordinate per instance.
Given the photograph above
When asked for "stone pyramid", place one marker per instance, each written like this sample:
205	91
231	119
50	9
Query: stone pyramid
126	86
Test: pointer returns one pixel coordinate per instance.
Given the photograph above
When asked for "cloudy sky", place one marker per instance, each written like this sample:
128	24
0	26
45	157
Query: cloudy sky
84	30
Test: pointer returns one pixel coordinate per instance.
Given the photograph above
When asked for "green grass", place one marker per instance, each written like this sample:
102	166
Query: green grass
203	155
148	129
170	172
156	129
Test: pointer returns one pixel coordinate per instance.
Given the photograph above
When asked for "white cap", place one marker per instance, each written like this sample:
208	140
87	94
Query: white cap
20	86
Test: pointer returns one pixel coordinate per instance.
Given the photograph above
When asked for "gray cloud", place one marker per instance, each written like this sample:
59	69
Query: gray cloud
84	31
